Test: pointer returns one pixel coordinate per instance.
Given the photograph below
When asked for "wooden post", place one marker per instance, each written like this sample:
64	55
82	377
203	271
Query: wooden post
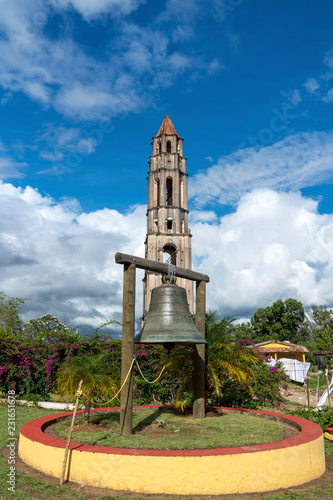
126	401
62	477
199	382
308	393
328	390
318	389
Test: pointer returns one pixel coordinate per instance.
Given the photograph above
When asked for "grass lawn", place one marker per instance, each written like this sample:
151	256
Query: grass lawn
167	430
28	488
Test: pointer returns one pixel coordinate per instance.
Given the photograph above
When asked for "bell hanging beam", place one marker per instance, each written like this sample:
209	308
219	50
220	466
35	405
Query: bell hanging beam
159	267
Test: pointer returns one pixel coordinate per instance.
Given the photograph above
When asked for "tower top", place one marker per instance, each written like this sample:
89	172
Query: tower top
167	127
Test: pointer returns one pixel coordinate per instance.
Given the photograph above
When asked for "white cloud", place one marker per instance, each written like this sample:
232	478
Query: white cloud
293	98
10	169
202	215
184	11
62	259
276	245
57	72
300	160
182	33
93	9
323	83
329	96
312	85
51	155
68	145
180	62
328	60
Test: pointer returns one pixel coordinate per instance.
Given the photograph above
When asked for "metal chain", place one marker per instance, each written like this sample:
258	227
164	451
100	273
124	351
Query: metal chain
171	270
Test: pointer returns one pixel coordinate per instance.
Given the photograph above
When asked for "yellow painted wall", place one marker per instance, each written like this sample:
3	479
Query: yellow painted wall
271	345
300	356
206	475
328	435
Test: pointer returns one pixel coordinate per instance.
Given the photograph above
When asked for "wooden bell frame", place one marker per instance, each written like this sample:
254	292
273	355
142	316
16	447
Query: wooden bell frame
130	263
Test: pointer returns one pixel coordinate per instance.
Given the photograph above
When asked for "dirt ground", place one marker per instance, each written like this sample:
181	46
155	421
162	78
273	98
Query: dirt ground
299	396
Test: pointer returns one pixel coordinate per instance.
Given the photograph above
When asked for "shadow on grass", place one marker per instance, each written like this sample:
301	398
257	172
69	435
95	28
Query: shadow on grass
107	417
146	422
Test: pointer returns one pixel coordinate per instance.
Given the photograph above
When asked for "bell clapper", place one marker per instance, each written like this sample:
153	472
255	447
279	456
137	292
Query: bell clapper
168	346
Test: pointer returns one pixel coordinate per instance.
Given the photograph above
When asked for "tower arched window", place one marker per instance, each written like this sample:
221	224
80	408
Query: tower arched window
156	193
169	196
170	254
181	193
168	146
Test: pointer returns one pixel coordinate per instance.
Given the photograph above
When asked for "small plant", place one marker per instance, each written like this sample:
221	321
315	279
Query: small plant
181	405
97	383
161	422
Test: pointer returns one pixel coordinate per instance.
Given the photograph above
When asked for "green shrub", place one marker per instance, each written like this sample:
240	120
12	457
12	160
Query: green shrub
266	388
324	417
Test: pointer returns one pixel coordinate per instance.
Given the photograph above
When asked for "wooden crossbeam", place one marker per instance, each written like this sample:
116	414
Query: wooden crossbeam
159	267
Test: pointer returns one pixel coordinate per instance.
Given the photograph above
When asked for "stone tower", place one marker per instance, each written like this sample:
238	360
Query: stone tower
168	236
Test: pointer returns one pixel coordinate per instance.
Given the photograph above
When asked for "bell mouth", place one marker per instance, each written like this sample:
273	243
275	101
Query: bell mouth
169	320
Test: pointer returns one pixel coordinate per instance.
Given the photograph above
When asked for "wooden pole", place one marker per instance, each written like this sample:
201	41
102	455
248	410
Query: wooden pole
307	392
318	389
199	396
328	390
126	401
62	477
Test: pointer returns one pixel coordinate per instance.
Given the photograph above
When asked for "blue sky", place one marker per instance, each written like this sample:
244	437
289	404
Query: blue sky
83	88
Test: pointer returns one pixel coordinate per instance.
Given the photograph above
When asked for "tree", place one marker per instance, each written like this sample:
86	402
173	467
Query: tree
97	383
319	317
10	321
48	327
280	321
230	361
319	328
225	360
219	329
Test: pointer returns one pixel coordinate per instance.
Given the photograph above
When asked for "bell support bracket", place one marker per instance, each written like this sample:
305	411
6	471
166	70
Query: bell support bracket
131	262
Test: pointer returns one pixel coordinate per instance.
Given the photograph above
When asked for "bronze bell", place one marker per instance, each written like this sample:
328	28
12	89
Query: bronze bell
169	320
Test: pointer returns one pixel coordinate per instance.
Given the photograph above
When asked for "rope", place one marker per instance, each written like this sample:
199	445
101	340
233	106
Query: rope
144	378
121	388
79	393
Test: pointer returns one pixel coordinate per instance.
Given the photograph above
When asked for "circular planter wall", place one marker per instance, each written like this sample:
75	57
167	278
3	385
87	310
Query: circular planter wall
246	469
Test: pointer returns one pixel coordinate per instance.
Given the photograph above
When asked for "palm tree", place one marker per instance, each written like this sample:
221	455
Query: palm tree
219	330
97	382
225	359
230	360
